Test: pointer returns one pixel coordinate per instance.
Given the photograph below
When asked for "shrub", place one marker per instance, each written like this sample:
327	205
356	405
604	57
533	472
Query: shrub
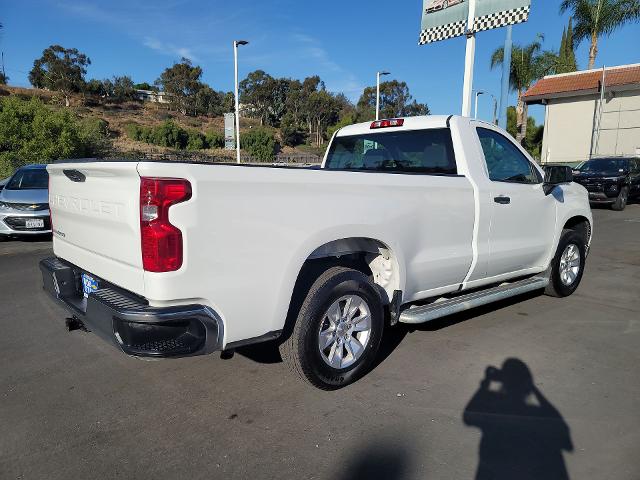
133	131
31	132
95	135
169	134
215	139
196	140
260	143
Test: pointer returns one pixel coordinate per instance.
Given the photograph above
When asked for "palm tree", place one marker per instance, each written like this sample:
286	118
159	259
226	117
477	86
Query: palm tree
528	64
594	18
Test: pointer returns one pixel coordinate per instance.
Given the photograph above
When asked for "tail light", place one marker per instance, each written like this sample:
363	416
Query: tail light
161	241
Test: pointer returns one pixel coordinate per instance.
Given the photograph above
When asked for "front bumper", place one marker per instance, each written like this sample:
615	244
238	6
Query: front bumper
600	197
14	222
128	322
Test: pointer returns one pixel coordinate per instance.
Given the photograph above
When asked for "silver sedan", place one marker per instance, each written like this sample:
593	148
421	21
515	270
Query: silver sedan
24	203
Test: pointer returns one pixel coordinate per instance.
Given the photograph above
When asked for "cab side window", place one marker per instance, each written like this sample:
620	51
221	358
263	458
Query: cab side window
505	163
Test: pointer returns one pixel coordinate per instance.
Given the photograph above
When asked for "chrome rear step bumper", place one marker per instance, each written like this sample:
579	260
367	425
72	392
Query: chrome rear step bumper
443	308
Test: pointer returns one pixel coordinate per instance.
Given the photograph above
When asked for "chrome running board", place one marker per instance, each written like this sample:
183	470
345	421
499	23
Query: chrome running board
448	306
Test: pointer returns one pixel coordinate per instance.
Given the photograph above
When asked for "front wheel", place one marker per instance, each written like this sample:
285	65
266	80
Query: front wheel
568	265
337	331
621	201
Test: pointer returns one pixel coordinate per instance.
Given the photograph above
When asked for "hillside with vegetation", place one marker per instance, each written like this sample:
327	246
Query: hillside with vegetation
67	116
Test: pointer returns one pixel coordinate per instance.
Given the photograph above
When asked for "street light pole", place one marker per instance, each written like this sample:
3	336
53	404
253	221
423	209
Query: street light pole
236	44
378	75
478	93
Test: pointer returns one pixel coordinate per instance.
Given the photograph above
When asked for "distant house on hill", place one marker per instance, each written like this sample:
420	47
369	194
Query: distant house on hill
589	113
152	96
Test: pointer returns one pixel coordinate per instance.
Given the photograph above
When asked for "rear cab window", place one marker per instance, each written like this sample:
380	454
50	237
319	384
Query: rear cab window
428	151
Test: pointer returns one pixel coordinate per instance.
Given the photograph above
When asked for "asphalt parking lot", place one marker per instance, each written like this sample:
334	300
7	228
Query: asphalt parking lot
73	407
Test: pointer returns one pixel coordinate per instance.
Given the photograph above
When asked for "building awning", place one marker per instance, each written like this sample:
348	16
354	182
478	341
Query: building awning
583	83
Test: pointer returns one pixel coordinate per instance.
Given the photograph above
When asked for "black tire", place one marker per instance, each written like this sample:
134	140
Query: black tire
557	287
621	201
301	349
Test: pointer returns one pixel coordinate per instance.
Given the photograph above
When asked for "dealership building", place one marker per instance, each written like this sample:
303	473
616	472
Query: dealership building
589	113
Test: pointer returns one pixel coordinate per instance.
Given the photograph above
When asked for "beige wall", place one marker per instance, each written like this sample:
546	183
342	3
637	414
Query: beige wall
568	126
620	125
570	122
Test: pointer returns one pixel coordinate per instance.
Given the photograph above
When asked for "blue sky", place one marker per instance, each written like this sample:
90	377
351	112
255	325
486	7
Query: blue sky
345	42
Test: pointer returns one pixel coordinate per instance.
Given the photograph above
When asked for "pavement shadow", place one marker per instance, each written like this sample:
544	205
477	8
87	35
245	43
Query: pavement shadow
377	459
523	434
268	352
46	237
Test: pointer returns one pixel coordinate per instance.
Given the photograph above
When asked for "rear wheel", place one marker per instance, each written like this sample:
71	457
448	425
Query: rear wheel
621	201
567	265
337	331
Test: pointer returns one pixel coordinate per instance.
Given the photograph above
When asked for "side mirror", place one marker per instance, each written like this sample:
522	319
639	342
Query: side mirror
555	175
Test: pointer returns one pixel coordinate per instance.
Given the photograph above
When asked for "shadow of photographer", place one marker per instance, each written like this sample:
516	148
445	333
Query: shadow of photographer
523	434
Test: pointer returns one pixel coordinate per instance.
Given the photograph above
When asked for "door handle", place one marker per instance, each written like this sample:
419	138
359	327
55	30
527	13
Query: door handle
502	200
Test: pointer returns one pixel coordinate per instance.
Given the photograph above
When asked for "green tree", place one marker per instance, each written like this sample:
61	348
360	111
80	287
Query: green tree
566	62
596	18
528	64
31	132
145	86
395	101
182	82
570	48
123	89
256	93
95	87
291	132
209	102
323	110
533	141
60	69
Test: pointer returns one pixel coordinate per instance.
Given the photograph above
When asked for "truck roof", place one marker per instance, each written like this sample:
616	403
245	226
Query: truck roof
410	123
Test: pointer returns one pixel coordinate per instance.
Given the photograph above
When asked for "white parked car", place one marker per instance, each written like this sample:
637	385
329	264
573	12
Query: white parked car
408	220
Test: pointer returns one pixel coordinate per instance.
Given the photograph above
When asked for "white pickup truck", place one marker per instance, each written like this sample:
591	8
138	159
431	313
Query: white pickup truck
407	220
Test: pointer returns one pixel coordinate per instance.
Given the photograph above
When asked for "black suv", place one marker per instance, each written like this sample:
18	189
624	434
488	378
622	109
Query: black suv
610	180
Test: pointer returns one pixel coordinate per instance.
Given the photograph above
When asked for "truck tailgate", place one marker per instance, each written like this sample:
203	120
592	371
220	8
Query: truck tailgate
96	220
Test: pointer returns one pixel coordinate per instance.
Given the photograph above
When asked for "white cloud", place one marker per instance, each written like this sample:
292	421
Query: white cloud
169	49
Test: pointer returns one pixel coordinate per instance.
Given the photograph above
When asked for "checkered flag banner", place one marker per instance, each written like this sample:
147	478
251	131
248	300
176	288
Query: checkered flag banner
502	19
442	32
443	19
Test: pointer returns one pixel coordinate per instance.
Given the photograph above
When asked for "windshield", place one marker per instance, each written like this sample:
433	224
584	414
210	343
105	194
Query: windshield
417	151
604	165
29	179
